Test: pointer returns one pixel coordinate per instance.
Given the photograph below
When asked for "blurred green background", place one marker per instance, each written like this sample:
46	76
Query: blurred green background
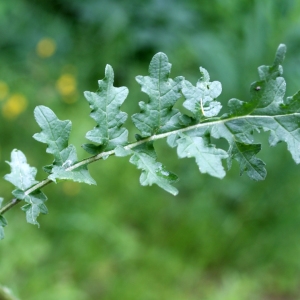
218	239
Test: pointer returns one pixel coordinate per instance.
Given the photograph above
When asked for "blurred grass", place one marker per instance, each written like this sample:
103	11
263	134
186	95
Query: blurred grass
229	239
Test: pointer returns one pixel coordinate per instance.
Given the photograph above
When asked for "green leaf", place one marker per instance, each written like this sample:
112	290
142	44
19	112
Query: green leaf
208	158
19	194
144	157
22	175
267	110
55	133
105	105
200	100
158	115
80	174
35	205
271	72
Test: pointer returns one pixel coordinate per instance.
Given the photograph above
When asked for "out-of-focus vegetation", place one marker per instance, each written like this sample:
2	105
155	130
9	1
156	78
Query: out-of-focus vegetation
218	239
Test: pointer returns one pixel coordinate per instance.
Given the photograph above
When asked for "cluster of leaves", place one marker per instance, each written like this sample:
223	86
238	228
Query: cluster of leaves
190	133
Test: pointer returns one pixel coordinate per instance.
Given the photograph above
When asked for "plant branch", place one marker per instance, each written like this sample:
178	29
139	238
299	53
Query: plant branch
99	156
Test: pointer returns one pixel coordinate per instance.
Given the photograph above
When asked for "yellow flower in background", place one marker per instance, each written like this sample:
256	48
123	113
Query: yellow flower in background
3	90
46	47
66	85
15	105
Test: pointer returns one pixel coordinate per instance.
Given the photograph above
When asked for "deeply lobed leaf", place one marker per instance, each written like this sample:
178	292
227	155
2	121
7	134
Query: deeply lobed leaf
158	115
208	158
22	176
35	205
55	133
153	172
201	99
105	105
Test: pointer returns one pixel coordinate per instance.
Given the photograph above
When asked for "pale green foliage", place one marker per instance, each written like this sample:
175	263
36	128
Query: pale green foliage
55	133
22	176
191	133
158	116
35	206
105	105
208	158
200	100
144	157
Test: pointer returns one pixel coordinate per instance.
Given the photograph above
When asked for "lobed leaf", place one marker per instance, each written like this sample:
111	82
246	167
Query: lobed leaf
105	105
208	158
267	110
81	174
158	115
22	175
238	134
35	205
55	133
144	157
200	100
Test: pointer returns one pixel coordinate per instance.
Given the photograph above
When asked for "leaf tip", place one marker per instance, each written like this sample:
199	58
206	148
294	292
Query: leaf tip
280	54
109	72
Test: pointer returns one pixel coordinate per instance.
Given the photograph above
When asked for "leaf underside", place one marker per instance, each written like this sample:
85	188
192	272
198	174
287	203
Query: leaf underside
144	157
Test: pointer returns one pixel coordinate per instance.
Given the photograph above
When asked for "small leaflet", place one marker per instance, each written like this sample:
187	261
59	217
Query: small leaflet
158	115
55	133
105	105
241	147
